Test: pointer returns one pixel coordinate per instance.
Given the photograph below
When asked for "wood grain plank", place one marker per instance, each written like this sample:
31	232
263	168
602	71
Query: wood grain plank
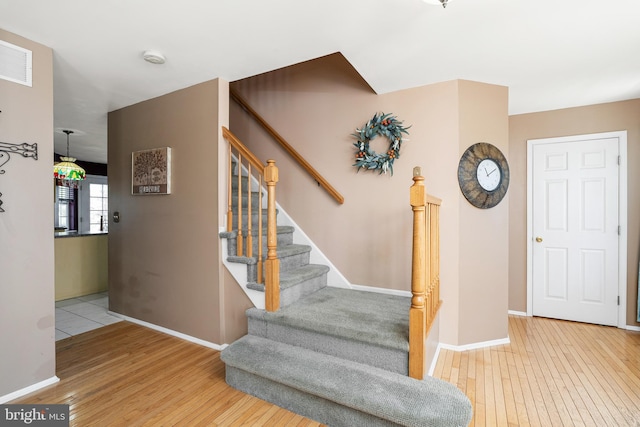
552	373
128	375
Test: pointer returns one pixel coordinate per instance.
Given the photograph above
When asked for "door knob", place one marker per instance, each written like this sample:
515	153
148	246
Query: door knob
538	239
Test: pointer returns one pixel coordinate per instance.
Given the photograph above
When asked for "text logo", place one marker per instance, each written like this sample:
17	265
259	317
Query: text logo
34	415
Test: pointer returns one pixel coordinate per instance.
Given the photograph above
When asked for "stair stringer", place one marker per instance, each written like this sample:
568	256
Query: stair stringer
334	277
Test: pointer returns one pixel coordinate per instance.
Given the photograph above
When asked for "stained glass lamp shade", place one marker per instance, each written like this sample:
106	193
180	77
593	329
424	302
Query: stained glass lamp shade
67	169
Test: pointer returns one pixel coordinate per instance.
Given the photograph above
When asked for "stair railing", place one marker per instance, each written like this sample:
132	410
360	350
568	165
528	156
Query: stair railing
288	148
425	272
263	173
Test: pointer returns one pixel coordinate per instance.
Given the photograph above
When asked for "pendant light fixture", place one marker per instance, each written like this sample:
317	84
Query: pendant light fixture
67	171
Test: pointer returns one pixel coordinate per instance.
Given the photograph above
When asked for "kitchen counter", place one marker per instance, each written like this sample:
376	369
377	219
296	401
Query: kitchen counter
81	264
77	234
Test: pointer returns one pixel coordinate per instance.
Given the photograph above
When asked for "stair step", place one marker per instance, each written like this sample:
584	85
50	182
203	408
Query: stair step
280	230
245	182
284	235
299	282
291	257
364	327
339	392
254	218
255	200
290	278
297	277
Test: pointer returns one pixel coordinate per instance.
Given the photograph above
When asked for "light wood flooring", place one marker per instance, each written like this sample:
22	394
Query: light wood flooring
128	375
553	373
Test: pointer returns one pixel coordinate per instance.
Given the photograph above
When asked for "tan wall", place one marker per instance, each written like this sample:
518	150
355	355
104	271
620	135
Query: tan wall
572	121
316	106
164	254
80	266
236	304
27	324
484	233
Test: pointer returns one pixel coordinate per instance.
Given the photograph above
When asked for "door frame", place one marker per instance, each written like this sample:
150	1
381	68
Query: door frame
83	200
622	215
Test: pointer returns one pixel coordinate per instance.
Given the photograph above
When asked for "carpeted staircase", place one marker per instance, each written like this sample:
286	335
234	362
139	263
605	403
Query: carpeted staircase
337	356
297	276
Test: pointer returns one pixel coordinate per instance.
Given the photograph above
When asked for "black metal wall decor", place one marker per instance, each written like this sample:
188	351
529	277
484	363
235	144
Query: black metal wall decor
7	149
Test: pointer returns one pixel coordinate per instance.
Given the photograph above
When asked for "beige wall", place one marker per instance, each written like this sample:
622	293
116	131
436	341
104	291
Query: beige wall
236	304
80	266
164	254
572	121
316	106
484	233
27	325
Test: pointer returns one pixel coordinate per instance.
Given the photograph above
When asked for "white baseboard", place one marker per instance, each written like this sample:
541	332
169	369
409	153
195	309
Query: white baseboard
632	328
170	332
475	346
518	313
381	290
24	391
434	362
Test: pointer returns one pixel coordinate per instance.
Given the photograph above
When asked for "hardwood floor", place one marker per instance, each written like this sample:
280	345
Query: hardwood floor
128	375
553	373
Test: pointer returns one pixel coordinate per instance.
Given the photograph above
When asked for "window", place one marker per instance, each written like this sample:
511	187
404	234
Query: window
65	208
98	207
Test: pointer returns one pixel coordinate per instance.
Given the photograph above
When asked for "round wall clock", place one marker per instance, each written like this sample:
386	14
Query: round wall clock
483	175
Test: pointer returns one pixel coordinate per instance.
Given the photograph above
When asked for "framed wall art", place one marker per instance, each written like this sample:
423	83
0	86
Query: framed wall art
151	171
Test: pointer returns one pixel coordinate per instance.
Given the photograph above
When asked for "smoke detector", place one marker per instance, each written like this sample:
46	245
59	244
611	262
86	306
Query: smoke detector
153	56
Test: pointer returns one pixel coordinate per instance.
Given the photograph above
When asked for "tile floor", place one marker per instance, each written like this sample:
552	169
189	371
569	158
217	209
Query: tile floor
77	315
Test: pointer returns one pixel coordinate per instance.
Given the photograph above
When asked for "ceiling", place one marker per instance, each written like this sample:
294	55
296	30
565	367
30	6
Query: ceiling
551	54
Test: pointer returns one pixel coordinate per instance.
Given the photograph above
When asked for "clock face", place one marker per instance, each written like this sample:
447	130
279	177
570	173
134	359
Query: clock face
483	175
488	174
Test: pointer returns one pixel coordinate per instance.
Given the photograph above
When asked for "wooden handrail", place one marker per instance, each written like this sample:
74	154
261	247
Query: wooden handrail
242	149
310	169
425	272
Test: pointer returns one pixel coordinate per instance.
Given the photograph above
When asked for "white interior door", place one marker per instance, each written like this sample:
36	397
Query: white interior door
87	209
575	227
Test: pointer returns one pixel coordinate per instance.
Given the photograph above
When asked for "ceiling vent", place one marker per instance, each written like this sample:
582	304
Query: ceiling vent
15	63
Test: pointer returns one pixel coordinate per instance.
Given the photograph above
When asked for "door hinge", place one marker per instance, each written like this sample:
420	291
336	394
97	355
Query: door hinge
619	231
618	299
619	160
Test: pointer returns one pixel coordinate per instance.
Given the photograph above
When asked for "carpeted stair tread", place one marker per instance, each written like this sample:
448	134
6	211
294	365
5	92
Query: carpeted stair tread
396	398
373	318
293	277
242	259
291	249
281	229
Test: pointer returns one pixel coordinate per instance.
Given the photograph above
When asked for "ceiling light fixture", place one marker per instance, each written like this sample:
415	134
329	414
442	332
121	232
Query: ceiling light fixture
438	2
153	57
67	171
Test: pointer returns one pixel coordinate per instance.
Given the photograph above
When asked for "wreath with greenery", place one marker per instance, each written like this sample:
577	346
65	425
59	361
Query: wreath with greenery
383	125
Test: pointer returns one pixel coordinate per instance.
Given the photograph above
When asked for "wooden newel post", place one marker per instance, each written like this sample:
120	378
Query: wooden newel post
272	279
418	312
